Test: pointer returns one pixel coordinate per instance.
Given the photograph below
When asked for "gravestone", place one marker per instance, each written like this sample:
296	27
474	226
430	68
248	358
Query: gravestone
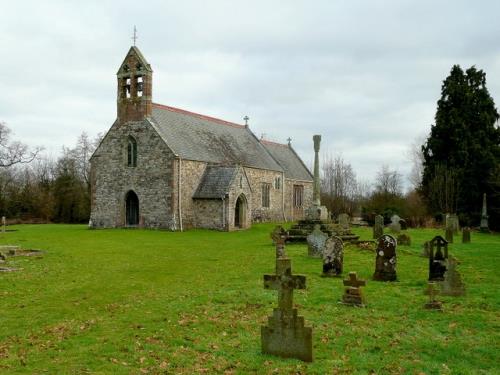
285	334
353	294
403	224
484	227
449	235
395	226
426	249
378	227
453	223
404	240
437	258
4	222
344	221
385	262
452	284
279	236
466	235
433	303
316	242
3	258
333	257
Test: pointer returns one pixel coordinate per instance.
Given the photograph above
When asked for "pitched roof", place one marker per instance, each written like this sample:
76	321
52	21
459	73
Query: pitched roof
196	137
288	159
215	182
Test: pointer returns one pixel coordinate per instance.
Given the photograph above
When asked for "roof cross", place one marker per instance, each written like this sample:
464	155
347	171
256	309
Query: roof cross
246	118
135	37
289	140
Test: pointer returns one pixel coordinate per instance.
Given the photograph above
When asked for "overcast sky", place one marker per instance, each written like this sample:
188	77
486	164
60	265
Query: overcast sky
365	75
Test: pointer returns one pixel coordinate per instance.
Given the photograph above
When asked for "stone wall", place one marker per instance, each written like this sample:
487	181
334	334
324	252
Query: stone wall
208	214
151	179
297	213
239	188
256	178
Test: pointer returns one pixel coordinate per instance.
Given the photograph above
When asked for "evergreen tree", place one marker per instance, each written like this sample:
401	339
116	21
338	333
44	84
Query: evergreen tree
463	148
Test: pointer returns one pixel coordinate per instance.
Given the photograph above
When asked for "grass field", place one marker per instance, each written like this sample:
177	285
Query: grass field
140	301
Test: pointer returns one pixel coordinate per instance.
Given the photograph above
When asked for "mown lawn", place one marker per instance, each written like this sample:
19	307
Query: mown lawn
140	301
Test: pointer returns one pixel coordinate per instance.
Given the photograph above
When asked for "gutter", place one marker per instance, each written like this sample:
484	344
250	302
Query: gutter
179	186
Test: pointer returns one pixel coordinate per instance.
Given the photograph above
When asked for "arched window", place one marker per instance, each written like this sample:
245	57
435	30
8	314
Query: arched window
132	152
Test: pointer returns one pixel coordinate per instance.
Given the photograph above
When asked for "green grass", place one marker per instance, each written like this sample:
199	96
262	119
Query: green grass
139	301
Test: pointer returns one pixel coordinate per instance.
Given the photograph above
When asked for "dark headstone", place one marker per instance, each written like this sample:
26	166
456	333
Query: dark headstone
452	284
466	235
385	262
378	227
285	334
403	224
433	303
437	258
279	236
316	242
333	257
404	240
353	294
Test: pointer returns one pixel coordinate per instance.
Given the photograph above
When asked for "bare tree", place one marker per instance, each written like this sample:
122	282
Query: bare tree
14	152
444	188
416	157
389	182
339	185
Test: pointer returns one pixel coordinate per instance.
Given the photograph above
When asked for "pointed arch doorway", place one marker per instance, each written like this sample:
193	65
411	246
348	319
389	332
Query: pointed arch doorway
240	212
131	209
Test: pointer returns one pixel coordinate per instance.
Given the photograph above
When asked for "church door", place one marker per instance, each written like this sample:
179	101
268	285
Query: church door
240	212
132	209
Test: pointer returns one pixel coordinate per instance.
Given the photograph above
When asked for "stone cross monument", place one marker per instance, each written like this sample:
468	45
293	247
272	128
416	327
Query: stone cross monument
316	211
483	227
285	334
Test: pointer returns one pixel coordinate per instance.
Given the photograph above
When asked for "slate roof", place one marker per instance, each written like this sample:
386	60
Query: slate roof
287	158
215	182
196	137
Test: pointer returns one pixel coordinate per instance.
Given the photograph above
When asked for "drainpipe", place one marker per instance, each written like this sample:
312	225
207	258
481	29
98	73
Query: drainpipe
283	195
179	186
223	214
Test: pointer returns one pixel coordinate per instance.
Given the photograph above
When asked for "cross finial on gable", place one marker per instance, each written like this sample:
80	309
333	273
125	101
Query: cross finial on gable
246	118
135	37
289	140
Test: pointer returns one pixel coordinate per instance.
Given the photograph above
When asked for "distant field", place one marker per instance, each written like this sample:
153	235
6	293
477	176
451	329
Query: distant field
152	302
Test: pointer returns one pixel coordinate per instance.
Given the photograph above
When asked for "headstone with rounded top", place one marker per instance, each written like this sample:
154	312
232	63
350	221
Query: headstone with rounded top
466	235
386	260
395	226
316	242
344	221
333	257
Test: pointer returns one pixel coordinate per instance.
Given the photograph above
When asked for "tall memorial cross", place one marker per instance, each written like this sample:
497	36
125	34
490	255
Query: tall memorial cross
279	236
316	187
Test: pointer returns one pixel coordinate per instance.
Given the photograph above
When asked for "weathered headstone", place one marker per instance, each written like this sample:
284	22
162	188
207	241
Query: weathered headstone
353	294
484	227
395	226
344	221
386	260
466	235
333	257
426	249
449	235
437	258
404	240
4	222
378	227
316	242
403	224
452	223
433	303
285	334
452	284
279	236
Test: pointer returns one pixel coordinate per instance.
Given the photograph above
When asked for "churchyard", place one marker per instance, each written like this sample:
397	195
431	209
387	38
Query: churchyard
143	301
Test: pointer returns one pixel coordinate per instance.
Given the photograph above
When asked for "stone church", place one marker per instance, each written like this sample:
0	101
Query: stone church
164	167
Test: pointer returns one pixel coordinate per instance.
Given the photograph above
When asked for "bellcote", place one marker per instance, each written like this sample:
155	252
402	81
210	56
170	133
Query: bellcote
134	97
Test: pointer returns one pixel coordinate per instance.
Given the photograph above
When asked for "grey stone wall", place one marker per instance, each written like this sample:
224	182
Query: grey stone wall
239	188
151	179
208	214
